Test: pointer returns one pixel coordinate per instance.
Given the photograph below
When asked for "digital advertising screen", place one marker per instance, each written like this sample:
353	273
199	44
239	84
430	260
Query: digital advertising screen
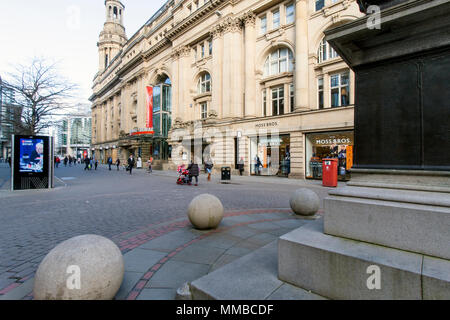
31	155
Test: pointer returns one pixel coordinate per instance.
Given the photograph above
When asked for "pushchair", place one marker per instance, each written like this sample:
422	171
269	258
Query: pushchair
183	175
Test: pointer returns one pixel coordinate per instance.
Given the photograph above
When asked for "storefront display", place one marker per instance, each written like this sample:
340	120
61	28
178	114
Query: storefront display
270	155
337	145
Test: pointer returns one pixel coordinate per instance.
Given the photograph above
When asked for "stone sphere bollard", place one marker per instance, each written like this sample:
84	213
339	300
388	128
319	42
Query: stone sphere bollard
87	267
305	202
205	212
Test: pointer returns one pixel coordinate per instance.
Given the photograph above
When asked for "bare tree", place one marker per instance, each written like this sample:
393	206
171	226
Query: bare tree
41	93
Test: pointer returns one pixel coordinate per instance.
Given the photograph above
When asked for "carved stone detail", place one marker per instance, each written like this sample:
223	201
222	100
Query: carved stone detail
249	18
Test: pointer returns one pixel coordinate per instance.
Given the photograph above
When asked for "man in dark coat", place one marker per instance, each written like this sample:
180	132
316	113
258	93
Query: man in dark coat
87	161
110	162
131	162
193	172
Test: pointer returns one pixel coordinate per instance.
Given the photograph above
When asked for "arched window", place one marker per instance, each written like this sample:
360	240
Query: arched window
325	52
115	12
204	83
279	61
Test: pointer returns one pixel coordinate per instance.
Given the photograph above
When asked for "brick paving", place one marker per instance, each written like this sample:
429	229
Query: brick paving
130	210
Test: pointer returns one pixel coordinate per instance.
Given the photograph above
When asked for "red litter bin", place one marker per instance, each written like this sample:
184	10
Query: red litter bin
330	172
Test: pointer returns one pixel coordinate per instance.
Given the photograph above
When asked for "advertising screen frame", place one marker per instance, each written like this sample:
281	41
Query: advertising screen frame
32	180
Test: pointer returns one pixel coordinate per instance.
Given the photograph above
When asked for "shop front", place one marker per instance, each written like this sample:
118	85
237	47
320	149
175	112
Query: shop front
337	145
270	155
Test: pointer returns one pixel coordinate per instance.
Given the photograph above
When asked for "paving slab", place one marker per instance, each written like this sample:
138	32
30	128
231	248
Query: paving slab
197	253
264	226
139	260
174	274
170	241
243	232
291	223
129	281
222	261
221	241
20	292
157	294
262	239
252	277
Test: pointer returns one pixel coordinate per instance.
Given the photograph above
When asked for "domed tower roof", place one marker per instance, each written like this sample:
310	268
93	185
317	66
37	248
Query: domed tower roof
113	36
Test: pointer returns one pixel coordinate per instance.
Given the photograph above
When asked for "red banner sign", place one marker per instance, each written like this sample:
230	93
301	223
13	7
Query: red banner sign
149	122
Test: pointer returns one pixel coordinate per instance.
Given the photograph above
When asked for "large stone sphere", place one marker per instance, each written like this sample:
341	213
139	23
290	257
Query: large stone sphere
205	212
305	202
87	267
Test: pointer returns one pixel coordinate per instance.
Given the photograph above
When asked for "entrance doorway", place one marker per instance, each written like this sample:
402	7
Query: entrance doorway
273	154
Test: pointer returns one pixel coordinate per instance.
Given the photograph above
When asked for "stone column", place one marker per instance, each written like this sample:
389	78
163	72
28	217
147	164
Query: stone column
175	86
297	156
249	20
183	83
217	73
233	68
301	56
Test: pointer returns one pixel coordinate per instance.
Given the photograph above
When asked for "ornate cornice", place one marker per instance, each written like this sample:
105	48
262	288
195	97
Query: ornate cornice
195	18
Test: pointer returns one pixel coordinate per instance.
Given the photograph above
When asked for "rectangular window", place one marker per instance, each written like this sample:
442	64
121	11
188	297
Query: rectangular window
156	99
264	99
195	54
340	90
204	110
275	19
202	48
263	25
278	101
292	96
157	124
320	4
320	89
210	44
290	13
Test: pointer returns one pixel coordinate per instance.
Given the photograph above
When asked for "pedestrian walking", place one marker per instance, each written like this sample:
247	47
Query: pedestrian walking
110	162
57	161
65	161
70	161
208	168
87	163
241	166
150	163
131	163
9	161
96	164
118	163
258	166
193	172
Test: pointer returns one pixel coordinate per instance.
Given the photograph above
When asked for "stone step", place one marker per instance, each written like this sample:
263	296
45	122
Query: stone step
340	268
402	219
252	277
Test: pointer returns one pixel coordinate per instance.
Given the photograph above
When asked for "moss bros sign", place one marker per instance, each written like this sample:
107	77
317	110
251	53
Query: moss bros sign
329	139
267	124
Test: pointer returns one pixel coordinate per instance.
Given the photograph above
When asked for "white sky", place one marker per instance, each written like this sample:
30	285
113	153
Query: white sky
50	28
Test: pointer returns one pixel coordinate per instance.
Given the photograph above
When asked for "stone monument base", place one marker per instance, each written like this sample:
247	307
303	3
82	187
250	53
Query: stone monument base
339	268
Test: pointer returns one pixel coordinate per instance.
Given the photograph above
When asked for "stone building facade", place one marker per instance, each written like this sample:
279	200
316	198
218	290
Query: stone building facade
232	81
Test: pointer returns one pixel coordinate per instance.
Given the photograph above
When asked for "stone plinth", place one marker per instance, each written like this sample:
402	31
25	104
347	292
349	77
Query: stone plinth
395	213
